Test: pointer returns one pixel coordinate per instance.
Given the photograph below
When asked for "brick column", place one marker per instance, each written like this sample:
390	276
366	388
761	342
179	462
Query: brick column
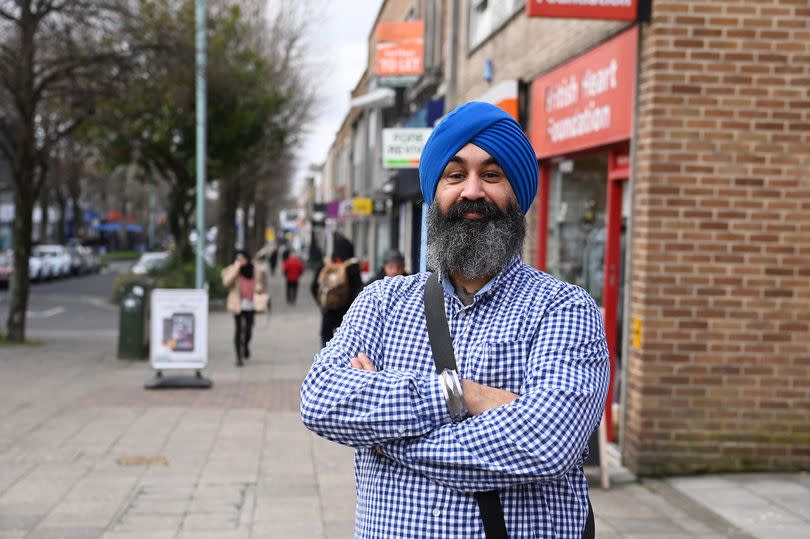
721	240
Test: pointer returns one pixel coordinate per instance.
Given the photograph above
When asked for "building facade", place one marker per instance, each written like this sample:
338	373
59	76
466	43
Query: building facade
675	188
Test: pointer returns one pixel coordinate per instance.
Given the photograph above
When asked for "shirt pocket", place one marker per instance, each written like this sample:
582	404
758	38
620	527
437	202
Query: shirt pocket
501	364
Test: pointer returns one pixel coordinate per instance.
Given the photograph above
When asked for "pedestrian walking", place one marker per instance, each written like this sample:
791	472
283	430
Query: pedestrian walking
393	266
273	260
469	393
293	268
247	295
335	284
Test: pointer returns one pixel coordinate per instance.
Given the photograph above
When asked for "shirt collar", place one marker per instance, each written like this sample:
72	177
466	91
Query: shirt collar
492	285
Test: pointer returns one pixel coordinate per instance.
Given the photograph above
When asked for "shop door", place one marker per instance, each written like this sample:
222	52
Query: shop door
581	242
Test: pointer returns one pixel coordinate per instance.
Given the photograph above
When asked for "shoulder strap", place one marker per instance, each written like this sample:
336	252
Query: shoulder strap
489	503
438	331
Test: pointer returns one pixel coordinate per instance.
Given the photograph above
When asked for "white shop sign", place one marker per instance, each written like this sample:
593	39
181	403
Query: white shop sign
402	146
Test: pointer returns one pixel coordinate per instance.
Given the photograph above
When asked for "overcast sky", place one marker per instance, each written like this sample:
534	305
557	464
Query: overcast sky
339	41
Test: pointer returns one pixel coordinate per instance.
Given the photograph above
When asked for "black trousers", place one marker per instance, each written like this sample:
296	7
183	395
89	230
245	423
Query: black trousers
244	331
292	292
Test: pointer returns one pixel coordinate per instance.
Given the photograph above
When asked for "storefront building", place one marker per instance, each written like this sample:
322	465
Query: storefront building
674	187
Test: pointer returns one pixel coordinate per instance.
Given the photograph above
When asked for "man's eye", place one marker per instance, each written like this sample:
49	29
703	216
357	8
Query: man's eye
456	176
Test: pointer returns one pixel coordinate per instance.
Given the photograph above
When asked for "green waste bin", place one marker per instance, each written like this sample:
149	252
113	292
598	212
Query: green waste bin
133	325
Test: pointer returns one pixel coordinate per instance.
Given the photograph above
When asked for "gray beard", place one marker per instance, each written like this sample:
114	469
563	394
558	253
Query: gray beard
473	249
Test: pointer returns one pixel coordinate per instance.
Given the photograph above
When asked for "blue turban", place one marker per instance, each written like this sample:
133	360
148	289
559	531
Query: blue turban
494	131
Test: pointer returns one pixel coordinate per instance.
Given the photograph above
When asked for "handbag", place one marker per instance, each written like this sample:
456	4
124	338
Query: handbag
261	302
489	503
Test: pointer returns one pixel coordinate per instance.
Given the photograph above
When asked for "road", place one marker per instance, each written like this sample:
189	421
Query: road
65	306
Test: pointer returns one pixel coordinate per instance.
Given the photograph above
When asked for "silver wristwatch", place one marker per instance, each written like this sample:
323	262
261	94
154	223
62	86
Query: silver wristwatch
453	395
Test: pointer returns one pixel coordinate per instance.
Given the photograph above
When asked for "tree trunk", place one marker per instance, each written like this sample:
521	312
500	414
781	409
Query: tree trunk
259	215
78	217
23	227
44	219
25	192
178	217
226	232
60	223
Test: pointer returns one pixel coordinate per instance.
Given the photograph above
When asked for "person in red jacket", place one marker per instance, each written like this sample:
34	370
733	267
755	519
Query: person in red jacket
293	268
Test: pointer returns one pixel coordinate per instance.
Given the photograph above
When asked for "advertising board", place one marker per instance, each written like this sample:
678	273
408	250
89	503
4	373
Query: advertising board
179	329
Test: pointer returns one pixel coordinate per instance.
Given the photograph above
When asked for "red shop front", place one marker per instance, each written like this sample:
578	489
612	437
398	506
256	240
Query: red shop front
581	126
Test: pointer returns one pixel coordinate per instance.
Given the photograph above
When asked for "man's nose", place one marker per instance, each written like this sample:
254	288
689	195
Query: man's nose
473	188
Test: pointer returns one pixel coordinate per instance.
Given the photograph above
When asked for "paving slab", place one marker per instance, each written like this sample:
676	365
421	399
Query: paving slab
86	452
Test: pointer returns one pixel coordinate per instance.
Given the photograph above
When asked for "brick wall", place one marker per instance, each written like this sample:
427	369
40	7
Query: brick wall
721	240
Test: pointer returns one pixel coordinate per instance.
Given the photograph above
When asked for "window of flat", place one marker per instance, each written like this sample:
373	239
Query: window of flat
487	16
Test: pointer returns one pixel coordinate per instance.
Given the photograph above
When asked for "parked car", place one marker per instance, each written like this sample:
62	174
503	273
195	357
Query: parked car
77	266
6	268
91	262
150	261
36	269
55	258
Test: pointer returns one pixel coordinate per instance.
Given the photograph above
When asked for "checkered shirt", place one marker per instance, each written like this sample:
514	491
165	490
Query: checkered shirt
415	470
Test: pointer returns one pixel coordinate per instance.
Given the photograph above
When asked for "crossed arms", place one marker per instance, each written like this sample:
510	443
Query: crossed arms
350	397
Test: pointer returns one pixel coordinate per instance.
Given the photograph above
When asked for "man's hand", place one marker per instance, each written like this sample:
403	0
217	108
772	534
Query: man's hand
363	363
480	398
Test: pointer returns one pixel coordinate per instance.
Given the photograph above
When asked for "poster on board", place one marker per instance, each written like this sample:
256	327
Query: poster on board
179	329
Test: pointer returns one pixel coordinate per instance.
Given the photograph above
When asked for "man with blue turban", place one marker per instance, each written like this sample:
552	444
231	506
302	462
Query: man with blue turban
492	446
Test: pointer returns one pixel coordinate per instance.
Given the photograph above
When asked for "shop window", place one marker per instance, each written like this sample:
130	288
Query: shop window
487	16
576	246
382	237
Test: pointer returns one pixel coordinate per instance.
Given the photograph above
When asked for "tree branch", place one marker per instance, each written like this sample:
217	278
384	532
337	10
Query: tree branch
4	14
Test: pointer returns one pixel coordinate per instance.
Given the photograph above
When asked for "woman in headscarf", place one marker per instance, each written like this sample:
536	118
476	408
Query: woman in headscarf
247	295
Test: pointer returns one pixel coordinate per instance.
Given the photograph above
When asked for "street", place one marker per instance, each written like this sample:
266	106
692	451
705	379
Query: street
86	452
73	304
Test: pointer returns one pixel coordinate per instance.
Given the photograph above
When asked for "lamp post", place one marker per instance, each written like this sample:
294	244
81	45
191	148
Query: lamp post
200	16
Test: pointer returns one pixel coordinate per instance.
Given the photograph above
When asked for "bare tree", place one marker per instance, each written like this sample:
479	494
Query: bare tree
266	175
56	57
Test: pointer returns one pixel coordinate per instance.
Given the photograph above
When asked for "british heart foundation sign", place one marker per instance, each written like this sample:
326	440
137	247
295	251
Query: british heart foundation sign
619	10
587	102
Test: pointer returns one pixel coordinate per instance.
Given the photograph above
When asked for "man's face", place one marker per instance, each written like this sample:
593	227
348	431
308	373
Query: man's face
392	269
474	224
473	175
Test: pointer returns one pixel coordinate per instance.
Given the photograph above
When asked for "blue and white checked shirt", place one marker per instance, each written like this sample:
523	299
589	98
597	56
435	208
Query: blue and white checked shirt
525	332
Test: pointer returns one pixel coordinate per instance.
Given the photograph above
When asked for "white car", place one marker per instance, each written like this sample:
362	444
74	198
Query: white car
150	261
55	257
35	269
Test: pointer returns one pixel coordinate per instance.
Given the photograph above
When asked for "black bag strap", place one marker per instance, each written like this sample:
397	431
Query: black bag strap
438	331
489	503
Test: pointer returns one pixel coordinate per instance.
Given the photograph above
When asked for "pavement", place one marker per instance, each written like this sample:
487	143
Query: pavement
86	452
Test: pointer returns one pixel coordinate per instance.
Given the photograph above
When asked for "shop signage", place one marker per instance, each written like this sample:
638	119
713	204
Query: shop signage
402	146
504	95
380	206
179	329
333	209
618	10
587	102
399	52
362	206
346	208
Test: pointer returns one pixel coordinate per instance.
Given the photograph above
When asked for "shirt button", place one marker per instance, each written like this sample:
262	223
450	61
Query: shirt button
401	429
436	513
